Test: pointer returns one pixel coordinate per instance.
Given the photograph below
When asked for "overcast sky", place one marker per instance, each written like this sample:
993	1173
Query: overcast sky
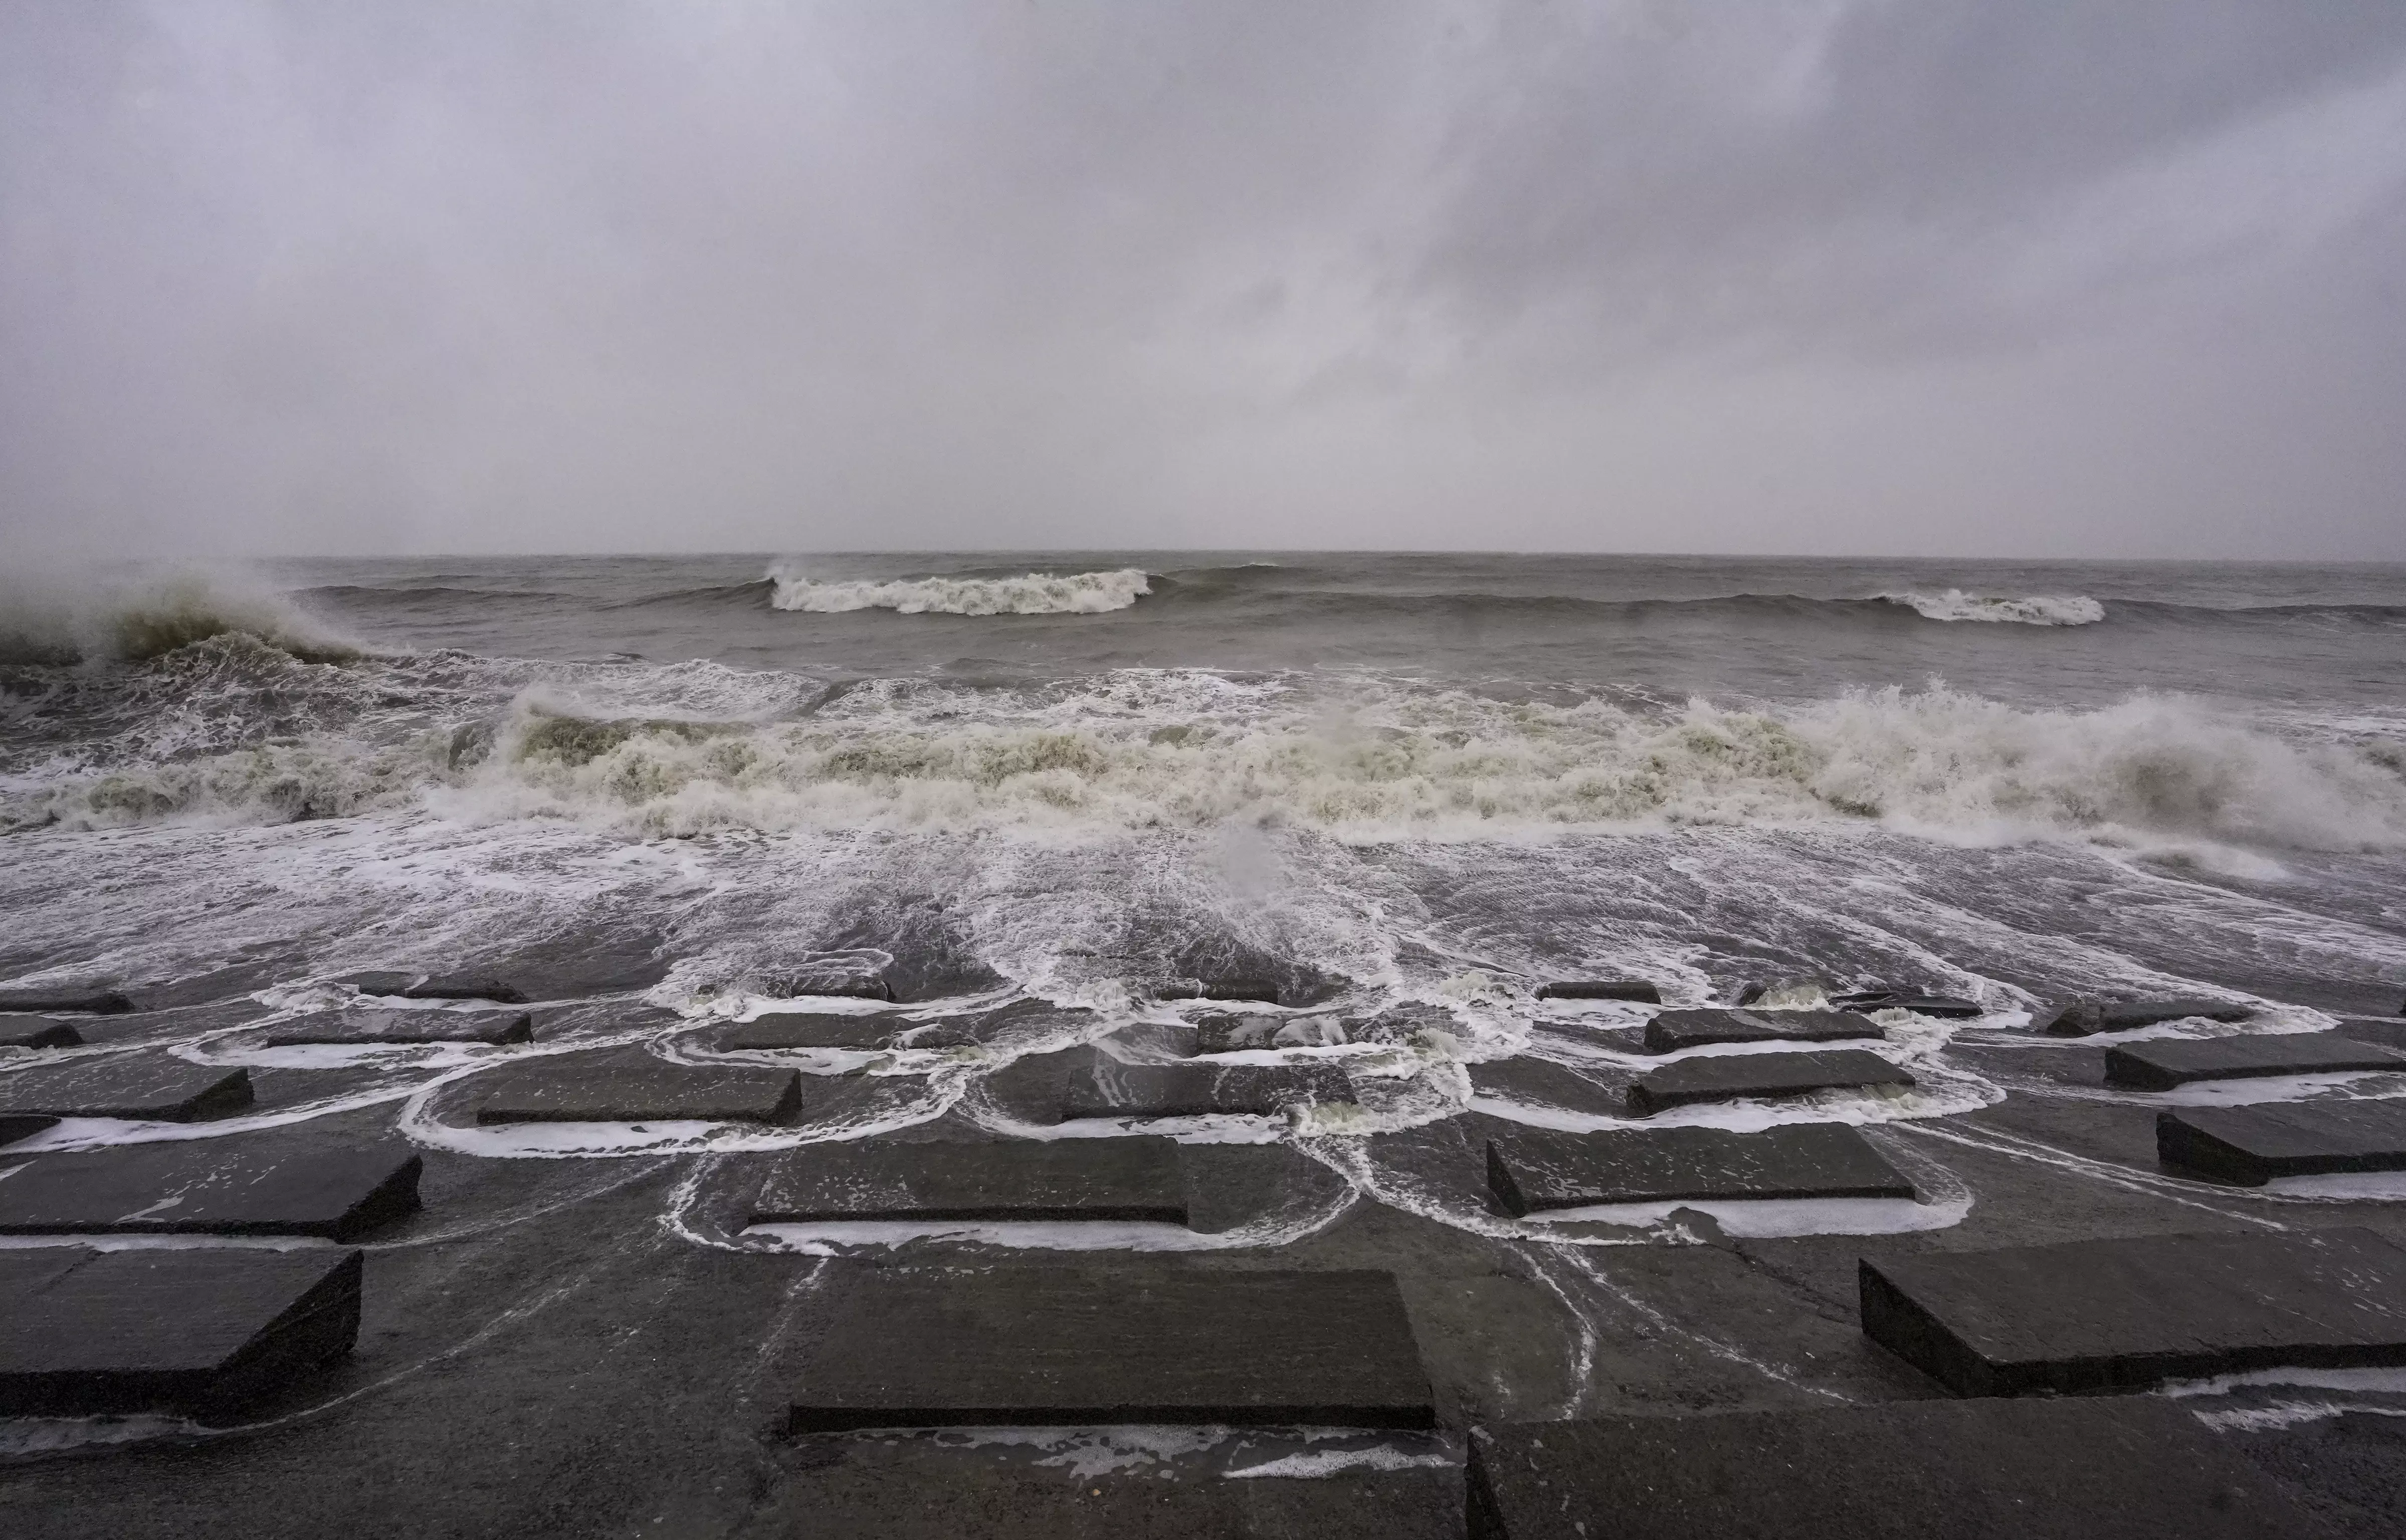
1903	276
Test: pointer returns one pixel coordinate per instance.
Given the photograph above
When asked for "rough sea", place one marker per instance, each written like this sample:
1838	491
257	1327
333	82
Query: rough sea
1376	778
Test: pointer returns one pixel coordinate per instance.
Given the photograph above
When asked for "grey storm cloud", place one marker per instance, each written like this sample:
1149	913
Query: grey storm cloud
1910	275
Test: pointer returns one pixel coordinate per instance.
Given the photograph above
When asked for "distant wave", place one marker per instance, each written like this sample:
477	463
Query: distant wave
2031	610
1035	593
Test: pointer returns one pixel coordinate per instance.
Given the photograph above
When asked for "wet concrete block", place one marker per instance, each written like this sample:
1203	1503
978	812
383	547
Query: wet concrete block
1543	1168
1946	1007
1053	1346
791	1029
106	1002
1984	1470
152	1088
463	986
2131	1312
214	1187
1636	990
1138	1180
833	984
23	1125
37	1034
2088	1017
2251	1145
2169	1062
1257	990
1732	1077
369	1027
85	1331
1105	1088
1674	1030
1237	1034
635	1087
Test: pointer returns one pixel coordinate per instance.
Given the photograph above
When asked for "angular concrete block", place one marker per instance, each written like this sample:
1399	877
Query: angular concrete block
1138	1180
636	1087
64	1002
146	1087
1637	990
1237	1034
2166	1062
1734	1077
84	1331
23	1126
37	1034
2089	1017
1537	1170
373	1027
1947	1006
1105	1088
1051	1347
833	985
1674	1030
1258	991
222	1187
2131	1312
2251	1145
1981	1470
463	986
791	1029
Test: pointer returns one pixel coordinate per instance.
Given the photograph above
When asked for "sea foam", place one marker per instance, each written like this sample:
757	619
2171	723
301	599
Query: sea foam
1034	593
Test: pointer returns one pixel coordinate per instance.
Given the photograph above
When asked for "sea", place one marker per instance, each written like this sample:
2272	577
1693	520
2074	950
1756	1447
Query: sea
1374	778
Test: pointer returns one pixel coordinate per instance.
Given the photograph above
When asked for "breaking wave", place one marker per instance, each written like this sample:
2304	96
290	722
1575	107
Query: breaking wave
72	620
2031	610
1034	593
1372	761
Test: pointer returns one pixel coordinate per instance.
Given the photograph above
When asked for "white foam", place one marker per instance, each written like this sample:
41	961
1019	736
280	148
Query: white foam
2371	1186
1313	1464
2028	610
1035	593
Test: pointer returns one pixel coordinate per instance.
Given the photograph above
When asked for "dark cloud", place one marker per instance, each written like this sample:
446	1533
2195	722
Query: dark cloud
1837	275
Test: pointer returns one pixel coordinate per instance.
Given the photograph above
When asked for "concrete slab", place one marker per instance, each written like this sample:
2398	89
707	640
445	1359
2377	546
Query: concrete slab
2087	1017
1258	991
2168	1062
1946	1007
88	1331
2130	1312
1985	1470
369	1027
64	1002
463	986
150	1087
222	1187
37	1032
835	985
23	1126
1053	1346
1736	1076
636	1087
2251	1145
1637	990
1237	1034
1674	1030
1541	1169
1128	1179
1105	1088
791	1029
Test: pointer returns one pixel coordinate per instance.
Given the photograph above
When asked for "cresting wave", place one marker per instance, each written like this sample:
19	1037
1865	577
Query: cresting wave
73	620
2031	610
1364	759
1034	593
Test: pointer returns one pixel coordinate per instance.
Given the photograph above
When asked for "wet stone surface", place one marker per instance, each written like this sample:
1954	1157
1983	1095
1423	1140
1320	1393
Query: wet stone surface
2169	1062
